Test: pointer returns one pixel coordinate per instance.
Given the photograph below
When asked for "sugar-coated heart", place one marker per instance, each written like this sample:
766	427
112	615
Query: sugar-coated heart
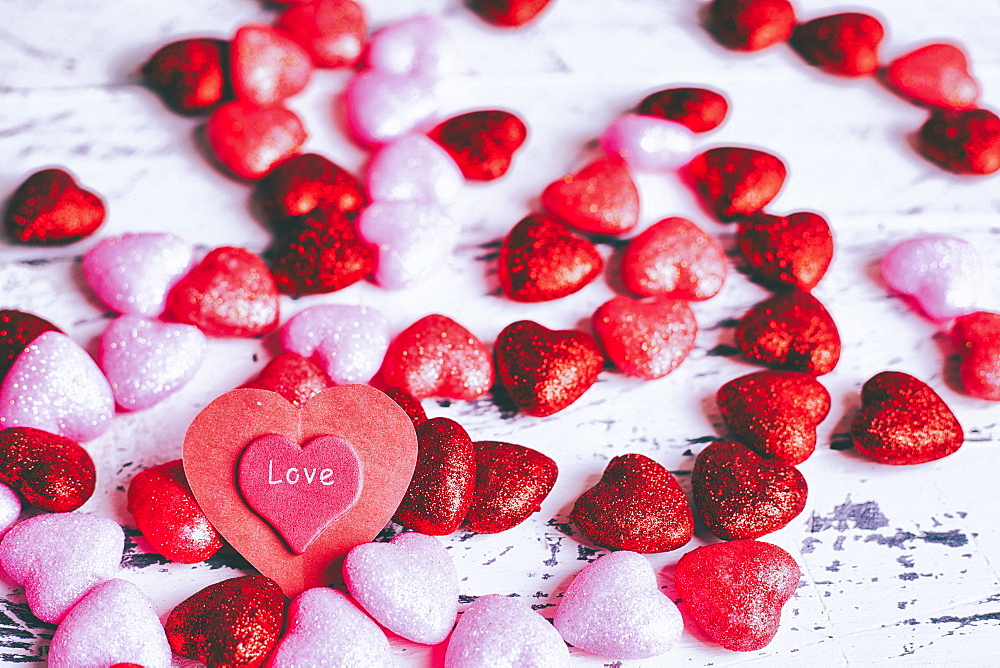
735	591
414	239
792	331
545	370
541	259
947	276
305	182
977	337
674	259
17	330
791	250
964	142
775	413
10	509
637	505
697	109
59	558
169	517
334	32
936	75
114	623
249	140
751	25
326	628
418	45
614	608
410	404
601	198
646	339
739	494
267	66
54	385
437	357
381	106
51	208
229	293
735	182
292	376
903	421
191	76
347	342
51	472
511	483
482	143
409	585
648	143
498	630
444	480
842	44
413	168
235	622
507	13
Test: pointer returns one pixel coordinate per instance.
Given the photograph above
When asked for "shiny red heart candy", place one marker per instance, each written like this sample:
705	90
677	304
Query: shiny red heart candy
977	337
482	143
697	109
293	377
783	251
601	198
842	44
410	404
17	330
333	32
50	208
791	331
964	142
191	76
249	140
268	66
750	25
507	13
735	182
511	483
646	339
306	182
51	472
936	75
675	259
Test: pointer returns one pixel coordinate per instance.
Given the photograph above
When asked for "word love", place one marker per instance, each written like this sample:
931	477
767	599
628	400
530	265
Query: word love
292	475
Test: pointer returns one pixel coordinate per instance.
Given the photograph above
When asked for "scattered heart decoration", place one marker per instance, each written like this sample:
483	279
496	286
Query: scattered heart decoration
791	331
292	376
49	471
735	182
346	342
482	143
50	208
497	630
511	483
977	337
646	339
842	44
936	75
601	198
674	258
782	251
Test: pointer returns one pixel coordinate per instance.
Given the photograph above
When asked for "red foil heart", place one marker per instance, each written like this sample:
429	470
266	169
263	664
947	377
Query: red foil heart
751	25
936	75
601	198
191	76
51	472
482	143
842	44
17	330
977	337
783	251
50	208
790	331
735	182
697	109
306	182
292	376
964	142
675	259
511	483
646	339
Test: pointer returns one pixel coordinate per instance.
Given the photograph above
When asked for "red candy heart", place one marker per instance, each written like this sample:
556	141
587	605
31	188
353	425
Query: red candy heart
964	142
739	494
511	483
735	182
735	591
775	413
674	259
191	76
249	140
544	371
791	250
444	480
903	421
541	259
977	336
841	44
305	182
507	13
751	25
637	506
601	198
790	331
267	66
437	357
51	472
333	32
645	339
168	515
229	293
231	623
482	143
293	377
936	75
697	109
17	330
409	403
50	208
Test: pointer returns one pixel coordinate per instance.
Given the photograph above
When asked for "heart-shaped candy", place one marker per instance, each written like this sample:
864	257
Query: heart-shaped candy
267	66
601	198
347	342
964	142
249	140
409	585
482	143
292	376
511	483
842	44
792	331
507	13
697	109
10	509
414	239
615	608
977	337
791	250
739	494
381	106
646	339
305	182
637	505
51	472
413	168
17	330
648	143
191	76
51	208
418	45
498	630
674	259
751	25
334	32
735	591
408	403
936	75
735	182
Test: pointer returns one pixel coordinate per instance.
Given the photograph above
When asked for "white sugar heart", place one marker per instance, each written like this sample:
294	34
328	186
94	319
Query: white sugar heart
347	342
420	45
382	106
413	168
413	239
499	630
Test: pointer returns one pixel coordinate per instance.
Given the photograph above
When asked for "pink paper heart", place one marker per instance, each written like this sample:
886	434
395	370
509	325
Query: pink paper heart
413	168
146	361
498	630
55	386
648	143
382	106
420	45
347	342
414	239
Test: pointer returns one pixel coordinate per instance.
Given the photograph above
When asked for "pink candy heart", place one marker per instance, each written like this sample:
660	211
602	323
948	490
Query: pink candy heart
10	509
413	168
347	342
414	239
382	106
499	630
648	142
419	45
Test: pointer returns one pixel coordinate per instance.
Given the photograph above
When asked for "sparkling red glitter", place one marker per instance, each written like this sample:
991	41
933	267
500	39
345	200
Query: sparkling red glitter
51	472
842	44
792	331
50	208
482	143
751	25
735	182
964	142
306	182
977	337
191	76
601	198
293	377
697	109
511	483
784	251
17	330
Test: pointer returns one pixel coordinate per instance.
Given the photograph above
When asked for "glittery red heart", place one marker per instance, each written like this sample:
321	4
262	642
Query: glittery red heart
751	25
511	483
842	44
697	109
543	370
191	76
305	182
249	140
977	337
17	330
735	182
507	13
601	198
739	494
293	377
443	482
482	143
410	404
964	142
232	623
168	515
675	259
735	591
791	250
936	75
229	293
51	472
267	66
646	339
775	413
50	208
792	331
903	421
333	32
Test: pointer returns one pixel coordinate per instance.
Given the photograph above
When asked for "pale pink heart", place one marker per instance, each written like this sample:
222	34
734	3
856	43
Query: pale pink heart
347	342
59	558
326	628
382	106
267	65
409	585
648	143
499	630
10	509
414	240
146	361
413	168
614	608
114	623
55	386
134	272
419	45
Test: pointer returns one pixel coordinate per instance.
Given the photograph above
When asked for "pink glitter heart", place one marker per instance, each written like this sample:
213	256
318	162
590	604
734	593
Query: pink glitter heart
414	168
414	240
498	630
382	106
648	143
347	342
420	45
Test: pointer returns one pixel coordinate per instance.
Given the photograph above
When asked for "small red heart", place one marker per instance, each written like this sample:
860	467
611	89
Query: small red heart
601	198
783	251
964	142
842	44
775	413
51	472
333	32
292	376
168	515
482	143
305	182
191	76
409	404
646	339
739	494
507	13
697	109
735	182
511	483
17	330
541	259
543	370
792	331
249	140
977	336
50	208
229	293
267	66
903	421
751	25
675	259
936	75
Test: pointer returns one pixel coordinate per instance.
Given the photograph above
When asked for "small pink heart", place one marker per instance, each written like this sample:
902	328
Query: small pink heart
249	140
10	509
414	239
498	630
936	75
347	342
267	66
648	143
413	168
382	106
647	339
420	45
